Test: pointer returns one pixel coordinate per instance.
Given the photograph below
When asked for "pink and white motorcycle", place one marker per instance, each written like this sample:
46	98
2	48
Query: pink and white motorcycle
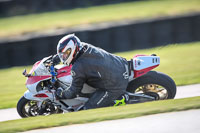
43	80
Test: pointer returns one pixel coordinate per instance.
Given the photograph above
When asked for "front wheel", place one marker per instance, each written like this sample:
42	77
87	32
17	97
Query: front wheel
29	108
156	84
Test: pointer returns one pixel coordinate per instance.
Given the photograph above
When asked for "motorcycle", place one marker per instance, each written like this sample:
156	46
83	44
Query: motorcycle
44	78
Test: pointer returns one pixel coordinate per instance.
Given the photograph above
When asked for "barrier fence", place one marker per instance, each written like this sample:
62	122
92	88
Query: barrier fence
113	37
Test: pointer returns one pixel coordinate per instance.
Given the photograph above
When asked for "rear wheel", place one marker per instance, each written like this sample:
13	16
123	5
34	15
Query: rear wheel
155	84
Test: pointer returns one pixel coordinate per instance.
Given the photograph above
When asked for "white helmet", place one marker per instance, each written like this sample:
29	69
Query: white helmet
68	47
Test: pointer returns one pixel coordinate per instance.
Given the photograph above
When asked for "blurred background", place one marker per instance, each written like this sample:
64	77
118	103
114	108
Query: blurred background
30	29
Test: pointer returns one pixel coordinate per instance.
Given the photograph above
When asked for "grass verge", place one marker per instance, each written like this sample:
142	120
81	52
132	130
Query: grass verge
102	114
81	16
181	62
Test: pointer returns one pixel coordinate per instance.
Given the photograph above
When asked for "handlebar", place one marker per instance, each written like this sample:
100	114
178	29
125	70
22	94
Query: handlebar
25	73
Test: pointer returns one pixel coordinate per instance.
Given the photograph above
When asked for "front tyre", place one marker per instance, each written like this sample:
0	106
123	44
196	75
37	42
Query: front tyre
27	108
155	84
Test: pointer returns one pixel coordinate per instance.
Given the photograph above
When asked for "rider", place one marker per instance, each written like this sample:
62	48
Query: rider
96	67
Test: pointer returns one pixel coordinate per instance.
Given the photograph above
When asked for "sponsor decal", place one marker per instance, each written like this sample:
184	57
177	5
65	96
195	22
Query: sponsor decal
139	63
99	74
73	73
156	60
105	95
125	74
135	64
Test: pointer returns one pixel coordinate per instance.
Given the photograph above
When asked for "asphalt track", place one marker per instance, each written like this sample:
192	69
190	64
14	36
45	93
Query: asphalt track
182	92
175	122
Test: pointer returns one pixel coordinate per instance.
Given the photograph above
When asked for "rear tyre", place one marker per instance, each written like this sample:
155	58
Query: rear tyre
154	82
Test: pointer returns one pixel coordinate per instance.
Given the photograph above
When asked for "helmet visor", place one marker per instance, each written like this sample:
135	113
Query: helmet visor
65	55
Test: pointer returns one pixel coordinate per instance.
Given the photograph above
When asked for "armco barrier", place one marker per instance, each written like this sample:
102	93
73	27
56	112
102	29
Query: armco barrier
113	37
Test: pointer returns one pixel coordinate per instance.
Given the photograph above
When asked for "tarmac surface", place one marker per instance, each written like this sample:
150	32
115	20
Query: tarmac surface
175	122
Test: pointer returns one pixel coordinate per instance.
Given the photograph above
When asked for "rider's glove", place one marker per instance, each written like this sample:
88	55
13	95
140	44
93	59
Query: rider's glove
64	94
59	93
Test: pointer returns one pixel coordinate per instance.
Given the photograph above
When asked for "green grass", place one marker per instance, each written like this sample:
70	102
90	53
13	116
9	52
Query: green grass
102	114
80	16
181	62
12	85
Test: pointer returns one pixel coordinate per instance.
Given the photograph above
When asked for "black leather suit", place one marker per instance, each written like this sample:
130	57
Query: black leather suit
99	69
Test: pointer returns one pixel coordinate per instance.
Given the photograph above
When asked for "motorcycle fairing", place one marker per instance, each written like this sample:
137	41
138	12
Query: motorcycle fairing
73	103
33	81
143	64
63	71
40	96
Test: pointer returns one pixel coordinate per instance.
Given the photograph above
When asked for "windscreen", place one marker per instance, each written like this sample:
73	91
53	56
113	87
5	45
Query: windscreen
39	69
